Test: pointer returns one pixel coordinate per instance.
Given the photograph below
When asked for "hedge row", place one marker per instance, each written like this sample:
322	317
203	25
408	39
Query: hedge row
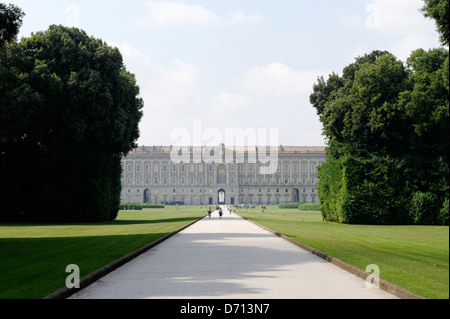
289	205
138	206
309	207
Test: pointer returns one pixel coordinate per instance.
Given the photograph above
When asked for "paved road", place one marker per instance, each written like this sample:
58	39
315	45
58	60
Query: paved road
229	258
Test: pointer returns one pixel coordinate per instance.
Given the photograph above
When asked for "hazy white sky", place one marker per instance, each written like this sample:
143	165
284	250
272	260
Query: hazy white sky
237	64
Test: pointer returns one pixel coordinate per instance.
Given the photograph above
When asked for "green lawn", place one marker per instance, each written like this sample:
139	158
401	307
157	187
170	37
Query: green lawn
33	258
413	257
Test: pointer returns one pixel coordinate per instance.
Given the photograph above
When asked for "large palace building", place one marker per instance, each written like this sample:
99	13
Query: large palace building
221	175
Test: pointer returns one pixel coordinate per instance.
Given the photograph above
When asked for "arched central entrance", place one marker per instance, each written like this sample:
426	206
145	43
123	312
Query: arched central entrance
221	196
146	196
295	195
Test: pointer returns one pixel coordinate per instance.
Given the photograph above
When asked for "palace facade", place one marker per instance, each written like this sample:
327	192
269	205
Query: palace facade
221	175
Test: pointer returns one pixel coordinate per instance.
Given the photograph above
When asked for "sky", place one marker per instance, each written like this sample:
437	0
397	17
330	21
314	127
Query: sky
206	68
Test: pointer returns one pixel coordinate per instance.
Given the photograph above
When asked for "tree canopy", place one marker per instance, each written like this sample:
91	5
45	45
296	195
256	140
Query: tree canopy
387	128
387	125
439	11
10	22
69	109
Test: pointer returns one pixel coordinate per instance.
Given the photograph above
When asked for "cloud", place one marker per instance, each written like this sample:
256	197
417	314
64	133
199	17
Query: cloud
403	48
177	14
280	80
226	103
241	17
398	15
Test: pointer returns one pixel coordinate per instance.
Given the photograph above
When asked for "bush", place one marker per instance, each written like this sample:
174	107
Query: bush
309	207
423	209
130	206
288	205
443	213
149	205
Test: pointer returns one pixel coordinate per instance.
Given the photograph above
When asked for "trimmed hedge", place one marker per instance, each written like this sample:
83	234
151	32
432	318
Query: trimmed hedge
288	205
130	206
309	207
443	214
149	205
138	206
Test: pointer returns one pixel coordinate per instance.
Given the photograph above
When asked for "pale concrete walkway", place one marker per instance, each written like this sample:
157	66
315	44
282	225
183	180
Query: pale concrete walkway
229	258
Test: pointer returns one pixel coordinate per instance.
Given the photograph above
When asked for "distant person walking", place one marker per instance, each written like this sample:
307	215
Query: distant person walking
209	212
220	212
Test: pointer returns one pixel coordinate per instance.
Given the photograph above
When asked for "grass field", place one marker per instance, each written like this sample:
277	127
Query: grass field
413	257
33	258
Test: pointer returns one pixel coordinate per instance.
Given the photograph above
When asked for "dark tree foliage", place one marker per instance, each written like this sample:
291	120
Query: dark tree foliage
10	22
69	111
439	11
387	126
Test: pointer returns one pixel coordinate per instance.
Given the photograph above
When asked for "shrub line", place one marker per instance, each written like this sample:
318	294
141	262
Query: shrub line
65	292
384	284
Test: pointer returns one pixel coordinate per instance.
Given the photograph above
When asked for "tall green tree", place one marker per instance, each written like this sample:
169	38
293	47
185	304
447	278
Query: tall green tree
10	22
70	110
439	11
387	127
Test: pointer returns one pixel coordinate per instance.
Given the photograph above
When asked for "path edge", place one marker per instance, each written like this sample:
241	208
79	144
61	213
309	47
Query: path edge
398	291
65	292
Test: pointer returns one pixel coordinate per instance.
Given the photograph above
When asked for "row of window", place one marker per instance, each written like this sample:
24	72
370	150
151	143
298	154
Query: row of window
242	181
260	190
210	168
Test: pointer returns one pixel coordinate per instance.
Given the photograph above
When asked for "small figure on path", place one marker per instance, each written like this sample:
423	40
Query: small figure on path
209	212
220	212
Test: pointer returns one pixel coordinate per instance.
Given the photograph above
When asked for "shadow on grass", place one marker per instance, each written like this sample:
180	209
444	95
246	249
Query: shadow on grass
33	268
109	223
